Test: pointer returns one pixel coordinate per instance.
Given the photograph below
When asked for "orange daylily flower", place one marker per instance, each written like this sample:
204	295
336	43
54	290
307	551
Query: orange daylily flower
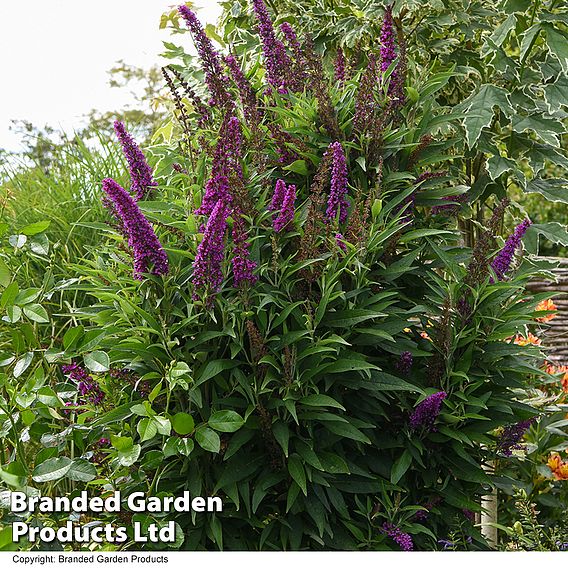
530	339
424	335
558	466
546	306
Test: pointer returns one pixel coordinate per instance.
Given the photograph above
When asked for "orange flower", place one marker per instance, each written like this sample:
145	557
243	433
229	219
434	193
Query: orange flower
530	339
546	306
556	370
424	335
558	466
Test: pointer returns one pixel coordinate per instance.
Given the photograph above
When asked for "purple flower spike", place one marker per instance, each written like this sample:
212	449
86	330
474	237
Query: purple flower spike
404	364
291	37
143	182
278	196
243	266
511	437
149	256
404	540
502	262
427	411
340	240
207	266
337	198
251	110
286	215
226	163
389	55
215	78
86	385
388	48
340	66
278	64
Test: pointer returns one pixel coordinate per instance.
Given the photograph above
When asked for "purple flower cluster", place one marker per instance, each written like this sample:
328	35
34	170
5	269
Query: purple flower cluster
340	240
148	252
207	266
502	262
427	411
88	389
340	73
423	514
388	46
291	37
243	266
404	364
511	437
251	109
215	78
337	201
452	208
226	162
404	540
284	204
389	55
141	176
278	64
278	195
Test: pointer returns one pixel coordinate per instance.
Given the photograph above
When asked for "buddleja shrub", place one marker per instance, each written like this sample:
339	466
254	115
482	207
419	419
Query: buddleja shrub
284	313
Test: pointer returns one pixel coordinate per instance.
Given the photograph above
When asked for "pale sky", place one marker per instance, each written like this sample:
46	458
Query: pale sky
55	54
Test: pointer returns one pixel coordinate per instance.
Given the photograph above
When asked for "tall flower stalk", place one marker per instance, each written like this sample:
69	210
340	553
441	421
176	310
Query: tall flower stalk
149	256
277	62
286	214
502	262
216	80
208	263
243	266
226	165
142	179
337	202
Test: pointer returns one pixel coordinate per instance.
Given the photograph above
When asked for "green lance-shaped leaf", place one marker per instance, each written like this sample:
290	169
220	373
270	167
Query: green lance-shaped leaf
225	421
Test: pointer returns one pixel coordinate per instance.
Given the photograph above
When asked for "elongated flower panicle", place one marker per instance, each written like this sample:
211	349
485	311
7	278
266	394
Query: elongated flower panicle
404	540
427	411
278	64
243	266
251	108
291	37
226	164
511	437
149	256
340	241
215	78
388	45
143	182
337	201
286	215
278	196
86	385
389	55
502	262
365	106
199	106
404	364
340	69
207	266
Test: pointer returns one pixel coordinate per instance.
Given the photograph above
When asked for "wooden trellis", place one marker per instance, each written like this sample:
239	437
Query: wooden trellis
557	336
